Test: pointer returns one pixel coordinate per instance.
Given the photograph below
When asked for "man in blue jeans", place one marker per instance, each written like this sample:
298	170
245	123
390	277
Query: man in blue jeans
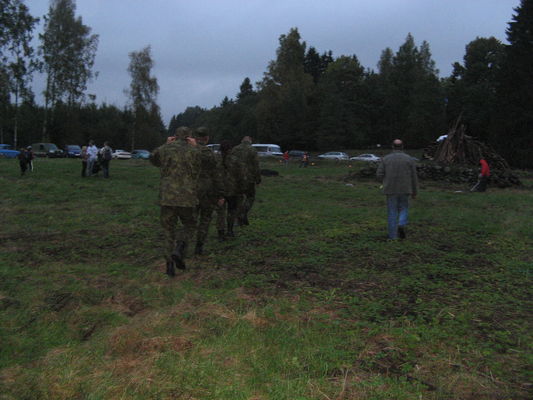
398	172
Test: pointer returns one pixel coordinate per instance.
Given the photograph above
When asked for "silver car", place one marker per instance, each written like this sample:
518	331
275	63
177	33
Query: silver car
334	155
366	157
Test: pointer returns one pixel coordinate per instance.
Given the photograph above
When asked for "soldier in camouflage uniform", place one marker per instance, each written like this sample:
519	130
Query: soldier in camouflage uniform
210	188
249	160
179	161
232	176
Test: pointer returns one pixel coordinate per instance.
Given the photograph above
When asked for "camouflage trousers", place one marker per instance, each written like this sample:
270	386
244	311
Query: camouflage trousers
227	212
247	202
169	220
205	214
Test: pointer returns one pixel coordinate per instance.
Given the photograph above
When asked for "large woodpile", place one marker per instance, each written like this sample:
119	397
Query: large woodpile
456	159
460	149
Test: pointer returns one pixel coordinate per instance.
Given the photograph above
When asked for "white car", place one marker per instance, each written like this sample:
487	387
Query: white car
366	157
121	155
334	155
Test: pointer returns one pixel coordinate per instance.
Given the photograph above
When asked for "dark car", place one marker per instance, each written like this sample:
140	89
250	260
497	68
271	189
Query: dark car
72	150
296	154
7	152
142	154
47	150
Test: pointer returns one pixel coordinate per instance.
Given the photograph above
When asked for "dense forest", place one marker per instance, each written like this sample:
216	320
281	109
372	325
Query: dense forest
308	99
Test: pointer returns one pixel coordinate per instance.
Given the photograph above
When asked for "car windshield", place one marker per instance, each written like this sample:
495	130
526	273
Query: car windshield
52	147
74	147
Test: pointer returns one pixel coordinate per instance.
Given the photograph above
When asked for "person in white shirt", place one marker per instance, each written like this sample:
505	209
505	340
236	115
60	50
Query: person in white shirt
92	153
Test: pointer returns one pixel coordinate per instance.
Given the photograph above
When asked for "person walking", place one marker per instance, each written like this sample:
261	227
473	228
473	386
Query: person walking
106	155
179	162
483	178
231	170
397	170
210	188
251	176
92	155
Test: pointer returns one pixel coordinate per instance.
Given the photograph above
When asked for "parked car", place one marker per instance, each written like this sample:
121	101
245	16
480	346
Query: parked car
6	151
215	147
72	150
267	150
121	155
296	154
334	155
142	154
47	150
366	157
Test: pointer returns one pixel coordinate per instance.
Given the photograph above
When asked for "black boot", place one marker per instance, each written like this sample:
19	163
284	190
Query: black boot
170	268
221	235
199	249
245	220
178	256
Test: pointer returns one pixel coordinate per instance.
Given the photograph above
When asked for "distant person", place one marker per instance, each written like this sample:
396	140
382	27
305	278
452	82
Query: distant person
92	158
179	162
483	177
30	156
305	160
84	156
210	188
286	158
251	175
398	172
105	157
23	161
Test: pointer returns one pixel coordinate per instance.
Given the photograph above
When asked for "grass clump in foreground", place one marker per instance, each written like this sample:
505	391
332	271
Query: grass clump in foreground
308	302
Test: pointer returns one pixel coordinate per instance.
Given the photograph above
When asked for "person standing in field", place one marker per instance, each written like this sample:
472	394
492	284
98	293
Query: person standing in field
84	156
30	156
92	156
179	161
106	155
286	158
210	188
397	170
23	161
483	178
251	176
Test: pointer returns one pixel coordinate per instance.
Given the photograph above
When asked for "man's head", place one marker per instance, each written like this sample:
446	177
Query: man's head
246	139
202	135
91	142
397	144
183	132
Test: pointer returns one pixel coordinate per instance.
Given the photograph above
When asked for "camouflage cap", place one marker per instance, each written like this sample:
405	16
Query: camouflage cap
201	132
183	132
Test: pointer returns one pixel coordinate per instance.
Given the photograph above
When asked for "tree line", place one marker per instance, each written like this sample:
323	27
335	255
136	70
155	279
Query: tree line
307	99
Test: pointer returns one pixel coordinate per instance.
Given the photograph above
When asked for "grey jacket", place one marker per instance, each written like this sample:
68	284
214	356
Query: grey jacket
398	172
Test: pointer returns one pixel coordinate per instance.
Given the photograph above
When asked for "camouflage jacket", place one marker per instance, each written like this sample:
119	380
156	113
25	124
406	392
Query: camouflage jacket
231	174
180	164
210	184
249	160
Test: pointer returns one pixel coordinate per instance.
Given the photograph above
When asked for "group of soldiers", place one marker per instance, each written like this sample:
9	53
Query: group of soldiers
197	183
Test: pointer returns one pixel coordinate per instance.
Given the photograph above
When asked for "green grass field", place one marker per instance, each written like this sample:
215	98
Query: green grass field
308	302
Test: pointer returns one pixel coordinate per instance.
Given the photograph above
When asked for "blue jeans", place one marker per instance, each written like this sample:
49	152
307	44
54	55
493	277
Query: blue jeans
397	212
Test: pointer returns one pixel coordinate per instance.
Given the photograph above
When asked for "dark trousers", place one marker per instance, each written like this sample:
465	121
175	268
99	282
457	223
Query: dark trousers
105	167
170	216
83	169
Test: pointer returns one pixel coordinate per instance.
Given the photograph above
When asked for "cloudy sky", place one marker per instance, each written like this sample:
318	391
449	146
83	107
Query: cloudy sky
203	49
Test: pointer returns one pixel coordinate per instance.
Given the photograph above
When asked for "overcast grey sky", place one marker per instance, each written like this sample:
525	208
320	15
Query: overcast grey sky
203	49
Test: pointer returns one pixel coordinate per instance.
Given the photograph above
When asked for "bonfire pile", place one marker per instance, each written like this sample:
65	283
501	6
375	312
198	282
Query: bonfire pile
461	149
